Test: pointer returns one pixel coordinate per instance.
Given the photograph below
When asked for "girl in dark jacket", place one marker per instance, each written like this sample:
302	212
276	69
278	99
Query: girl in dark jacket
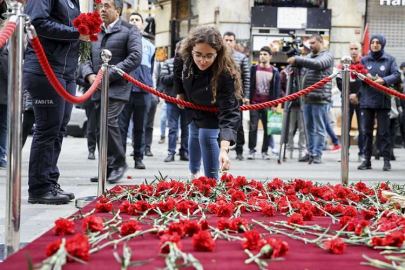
207	75
383	69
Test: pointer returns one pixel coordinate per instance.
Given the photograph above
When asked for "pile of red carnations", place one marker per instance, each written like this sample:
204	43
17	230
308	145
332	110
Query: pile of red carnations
174	210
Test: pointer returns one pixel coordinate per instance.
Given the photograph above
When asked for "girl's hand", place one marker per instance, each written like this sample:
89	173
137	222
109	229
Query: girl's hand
224	161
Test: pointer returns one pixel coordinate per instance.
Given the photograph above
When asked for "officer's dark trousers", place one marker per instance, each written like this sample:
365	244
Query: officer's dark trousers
383	129
115	150
137	107
52	114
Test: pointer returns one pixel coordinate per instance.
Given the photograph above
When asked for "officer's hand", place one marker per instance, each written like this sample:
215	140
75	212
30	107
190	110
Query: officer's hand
181	97
291	61
246	101
353	99
83	37
380	80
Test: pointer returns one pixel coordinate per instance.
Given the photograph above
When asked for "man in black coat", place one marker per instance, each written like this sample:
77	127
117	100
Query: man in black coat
53	21
124	42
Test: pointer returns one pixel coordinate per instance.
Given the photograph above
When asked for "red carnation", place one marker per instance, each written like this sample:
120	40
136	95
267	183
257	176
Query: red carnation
93	224
394	239
77	22
350	211
64	227
223	224
204	224
78	246
176	228
93	38
278	248
191	227
225	210
238	196
377	242
251	240
83	30
104	206
203	241
335	246
239	224
124	206
175	239
360	227
130	227
296	219
268	209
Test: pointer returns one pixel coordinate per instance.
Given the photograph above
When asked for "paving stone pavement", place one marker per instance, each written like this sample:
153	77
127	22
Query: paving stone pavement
76	171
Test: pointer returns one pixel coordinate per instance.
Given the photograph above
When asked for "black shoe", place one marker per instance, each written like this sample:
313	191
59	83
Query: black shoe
304	158
387	166
91	156
61	191
317	159
117	174
239	157
169	158
139	164
50	197
393	158
184	157
365	165
148	153
94	179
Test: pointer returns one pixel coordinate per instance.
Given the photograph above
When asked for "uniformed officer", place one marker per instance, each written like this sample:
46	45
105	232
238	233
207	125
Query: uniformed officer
60	40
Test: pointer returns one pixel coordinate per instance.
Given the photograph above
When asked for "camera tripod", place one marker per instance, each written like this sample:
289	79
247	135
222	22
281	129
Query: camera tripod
292	79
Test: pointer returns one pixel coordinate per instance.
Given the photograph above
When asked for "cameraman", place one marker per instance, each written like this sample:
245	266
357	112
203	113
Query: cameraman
316	66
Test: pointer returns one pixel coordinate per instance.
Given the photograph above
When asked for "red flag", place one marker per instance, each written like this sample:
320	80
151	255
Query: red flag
366	40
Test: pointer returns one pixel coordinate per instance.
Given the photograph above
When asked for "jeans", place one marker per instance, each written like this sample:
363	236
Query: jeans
383	130
329	129
203	142
176	115
315	121
255	116
163	120
3	132
52	114
137	107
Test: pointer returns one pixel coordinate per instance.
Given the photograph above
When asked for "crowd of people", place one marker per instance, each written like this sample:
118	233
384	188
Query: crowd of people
206	70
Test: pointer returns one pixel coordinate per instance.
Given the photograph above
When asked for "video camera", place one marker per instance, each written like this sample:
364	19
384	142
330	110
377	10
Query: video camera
292	45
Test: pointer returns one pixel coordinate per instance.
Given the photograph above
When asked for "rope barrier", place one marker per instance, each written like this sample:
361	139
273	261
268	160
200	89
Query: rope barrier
383	88
6	32
43	61
216	109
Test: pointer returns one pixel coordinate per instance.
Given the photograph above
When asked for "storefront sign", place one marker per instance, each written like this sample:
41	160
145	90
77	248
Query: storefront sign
392	2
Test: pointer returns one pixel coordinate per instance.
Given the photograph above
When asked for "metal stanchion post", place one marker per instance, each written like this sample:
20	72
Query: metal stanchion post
102	160
14	138
346	61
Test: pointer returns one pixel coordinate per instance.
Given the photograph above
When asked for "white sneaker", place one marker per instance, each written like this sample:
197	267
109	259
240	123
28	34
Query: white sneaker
265	156
275	151
251	155
192	176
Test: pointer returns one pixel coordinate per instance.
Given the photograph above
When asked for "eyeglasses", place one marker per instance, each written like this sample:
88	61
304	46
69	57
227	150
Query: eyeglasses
209	57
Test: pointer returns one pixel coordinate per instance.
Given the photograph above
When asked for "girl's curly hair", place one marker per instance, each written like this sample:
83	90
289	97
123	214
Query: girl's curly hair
223	62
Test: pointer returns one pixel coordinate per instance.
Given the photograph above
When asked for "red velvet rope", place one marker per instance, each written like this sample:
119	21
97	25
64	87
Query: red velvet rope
6	32
43	61
383	88
216	109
